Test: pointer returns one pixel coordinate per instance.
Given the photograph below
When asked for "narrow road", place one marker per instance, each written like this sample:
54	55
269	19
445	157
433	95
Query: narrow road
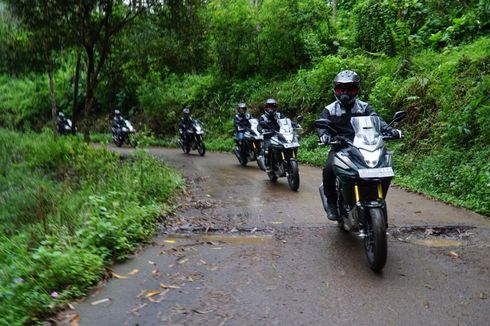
270	257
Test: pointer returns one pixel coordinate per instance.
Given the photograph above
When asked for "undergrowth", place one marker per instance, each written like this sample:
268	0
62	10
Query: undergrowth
66	211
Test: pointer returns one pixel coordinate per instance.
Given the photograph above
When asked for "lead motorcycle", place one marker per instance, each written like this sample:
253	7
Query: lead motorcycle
248	149
193	138
127	135
363	170
283	150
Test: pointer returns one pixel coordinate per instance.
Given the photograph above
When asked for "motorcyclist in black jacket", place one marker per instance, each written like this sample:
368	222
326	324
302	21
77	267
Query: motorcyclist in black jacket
268	122
241	122
60	123
185	123
346	89
118	123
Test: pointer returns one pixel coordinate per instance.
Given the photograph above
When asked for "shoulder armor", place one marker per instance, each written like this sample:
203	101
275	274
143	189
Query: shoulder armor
360	107
335	109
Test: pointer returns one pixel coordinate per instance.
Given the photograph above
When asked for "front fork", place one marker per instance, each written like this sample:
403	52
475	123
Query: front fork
364	206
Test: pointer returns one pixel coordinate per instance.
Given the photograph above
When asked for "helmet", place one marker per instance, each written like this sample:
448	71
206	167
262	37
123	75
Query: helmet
186	111
117	113
242	108
346	86
61	115
270	107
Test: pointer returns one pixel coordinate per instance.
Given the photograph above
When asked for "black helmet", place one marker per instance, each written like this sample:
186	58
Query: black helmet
346	86
186	111
270	107
242	108
117	113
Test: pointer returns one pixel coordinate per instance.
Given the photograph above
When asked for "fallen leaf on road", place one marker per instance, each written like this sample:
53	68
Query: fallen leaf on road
253	230
119	276
276	222
151	262
182	260
134	272
151	293
74	321
453	254
101	301
155	273
135	310
202	312
169	241
164	286
426	304
156	300
72	307
483	295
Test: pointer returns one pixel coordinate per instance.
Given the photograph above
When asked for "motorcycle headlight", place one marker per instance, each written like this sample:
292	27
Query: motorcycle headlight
371	158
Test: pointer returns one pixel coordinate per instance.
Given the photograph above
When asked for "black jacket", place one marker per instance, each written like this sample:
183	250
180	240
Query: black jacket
266	123
242	121
118	122
185	123
340	118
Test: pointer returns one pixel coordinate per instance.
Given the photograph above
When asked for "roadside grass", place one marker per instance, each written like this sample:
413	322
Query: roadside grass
67	210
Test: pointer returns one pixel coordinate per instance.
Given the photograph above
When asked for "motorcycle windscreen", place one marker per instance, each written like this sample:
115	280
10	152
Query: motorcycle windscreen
285	128
367	132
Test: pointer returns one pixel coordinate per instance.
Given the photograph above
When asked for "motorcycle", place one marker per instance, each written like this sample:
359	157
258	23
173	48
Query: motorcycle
283	149
193	138
363	170
248	149
126	135
65	127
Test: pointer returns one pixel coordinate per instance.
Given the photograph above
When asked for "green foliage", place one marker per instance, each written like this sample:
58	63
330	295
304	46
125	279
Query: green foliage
374	24
67	209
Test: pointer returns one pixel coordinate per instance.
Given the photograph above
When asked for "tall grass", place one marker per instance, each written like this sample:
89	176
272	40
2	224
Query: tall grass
66	210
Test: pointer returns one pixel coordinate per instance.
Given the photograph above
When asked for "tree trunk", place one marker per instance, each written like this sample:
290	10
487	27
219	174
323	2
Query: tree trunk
51	92
76	79
334	9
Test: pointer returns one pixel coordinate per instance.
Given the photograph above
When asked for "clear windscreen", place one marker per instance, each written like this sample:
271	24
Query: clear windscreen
367	132
285	126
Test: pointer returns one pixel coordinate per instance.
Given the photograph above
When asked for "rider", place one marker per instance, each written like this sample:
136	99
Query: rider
241	122
346	89
268	122
185	122
60	122
117	123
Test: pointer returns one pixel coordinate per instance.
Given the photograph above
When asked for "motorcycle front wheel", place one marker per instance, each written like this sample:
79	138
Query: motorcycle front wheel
375	243
201	149
293	175
117	141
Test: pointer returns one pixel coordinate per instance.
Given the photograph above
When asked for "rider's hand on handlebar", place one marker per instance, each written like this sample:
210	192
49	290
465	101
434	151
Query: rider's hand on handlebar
325	139
393	134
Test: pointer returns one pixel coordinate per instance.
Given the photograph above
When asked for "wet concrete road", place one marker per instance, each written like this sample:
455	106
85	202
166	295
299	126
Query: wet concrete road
276	260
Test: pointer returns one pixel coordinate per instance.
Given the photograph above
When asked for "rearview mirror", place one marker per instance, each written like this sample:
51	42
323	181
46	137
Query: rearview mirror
398	116
324	124
299	118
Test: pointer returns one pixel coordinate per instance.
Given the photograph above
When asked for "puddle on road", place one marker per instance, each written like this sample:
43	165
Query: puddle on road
434	236
438	243
228	239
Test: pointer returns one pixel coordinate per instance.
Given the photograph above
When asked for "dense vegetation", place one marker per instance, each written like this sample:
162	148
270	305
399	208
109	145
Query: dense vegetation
424	56
66	210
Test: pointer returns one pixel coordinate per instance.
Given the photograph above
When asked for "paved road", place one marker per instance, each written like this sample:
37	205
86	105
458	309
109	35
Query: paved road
274	259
